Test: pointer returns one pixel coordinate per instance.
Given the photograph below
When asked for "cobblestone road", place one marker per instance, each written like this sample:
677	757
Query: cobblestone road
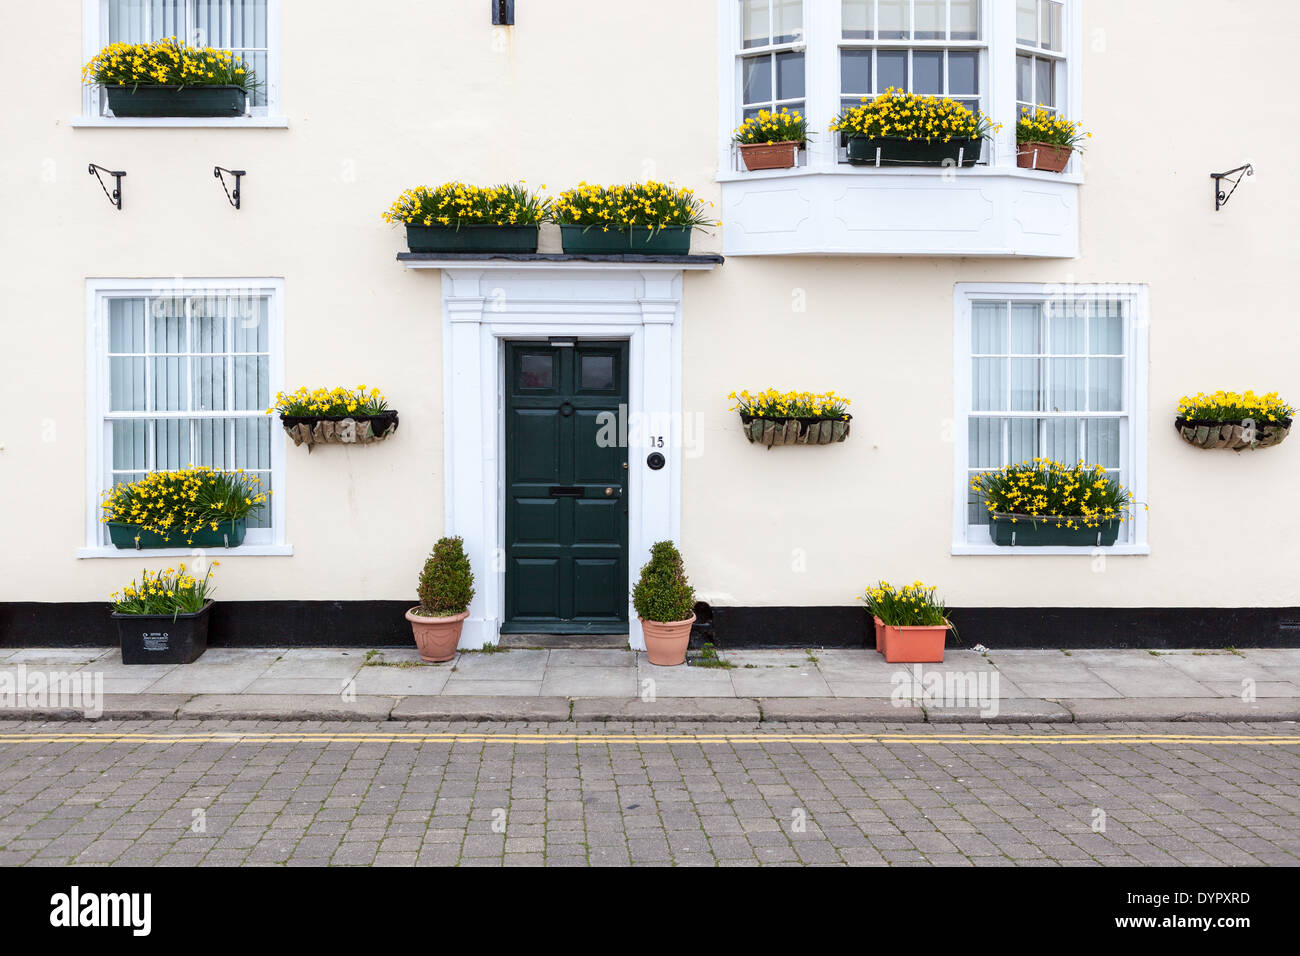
223	793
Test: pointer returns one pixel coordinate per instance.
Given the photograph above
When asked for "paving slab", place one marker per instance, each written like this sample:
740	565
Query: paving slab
142	706
481	708
1222	666
60	655
299	685
1181	709
618	681
213	678
298	664
684	680
1054	690
837	709
492	688
403	681
565	657
728	709
1262	688
1159	681
801	680
502	665
1013	711
285	707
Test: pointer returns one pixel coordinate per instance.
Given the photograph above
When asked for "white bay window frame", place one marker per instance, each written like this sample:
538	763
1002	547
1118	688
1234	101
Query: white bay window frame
99	416
94	37
974	539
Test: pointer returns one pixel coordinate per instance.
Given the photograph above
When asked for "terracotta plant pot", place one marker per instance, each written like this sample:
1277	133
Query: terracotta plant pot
915	645
880	634
665	641
770	155
1044	156
436	637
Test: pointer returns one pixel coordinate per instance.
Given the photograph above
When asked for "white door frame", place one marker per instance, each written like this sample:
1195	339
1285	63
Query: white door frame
486	302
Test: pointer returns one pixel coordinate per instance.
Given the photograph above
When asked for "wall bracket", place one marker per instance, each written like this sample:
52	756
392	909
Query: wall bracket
232	197
115	197
1220	197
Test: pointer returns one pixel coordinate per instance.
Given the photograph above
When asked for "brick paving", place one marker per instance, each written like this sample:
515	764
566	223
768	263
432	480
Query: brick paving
767	793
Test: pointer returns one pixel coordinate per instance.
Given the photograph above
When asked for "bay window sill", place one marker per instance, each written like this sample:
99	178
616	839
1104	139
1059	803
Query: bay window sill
243	551
179	122
839	209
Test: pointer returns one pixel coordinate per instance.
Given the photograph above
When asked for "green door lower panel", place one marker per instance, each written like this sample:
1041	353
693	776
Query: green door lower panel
566	485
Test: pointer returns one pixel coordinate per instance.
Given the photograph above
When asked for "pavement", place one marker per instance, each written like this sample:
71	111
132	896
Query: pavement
577	793
1041	686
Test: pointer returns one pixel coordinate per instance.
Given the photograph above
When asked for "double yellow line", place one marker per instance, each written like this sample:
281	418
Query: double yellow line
479	737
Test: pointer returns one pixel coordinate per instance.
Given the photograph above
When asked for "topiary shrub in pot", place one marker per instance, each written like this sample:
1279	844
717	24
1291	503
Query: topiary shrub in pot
446	589
665	602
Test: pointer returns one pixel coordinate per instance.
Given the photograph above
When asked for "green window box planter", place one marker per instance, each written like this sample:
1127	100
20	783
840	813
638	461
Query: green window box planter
157	101
635	240
229	534
334	430
1043	532
162	638
795	431
895	151
472	238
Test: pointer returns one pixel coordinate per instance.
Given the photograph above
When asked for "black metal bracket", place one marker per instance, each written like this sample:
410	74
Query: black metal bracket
115	197
233	197
503	12
1220	197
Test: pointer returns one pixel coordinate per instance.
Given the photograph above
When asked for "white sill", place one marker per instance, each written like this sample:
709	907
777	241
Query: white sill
180	122
1023	551
848	169
243	551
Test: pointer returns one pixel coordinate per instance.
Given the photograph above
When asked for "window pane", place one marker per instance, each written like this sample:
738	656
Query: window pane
963	73
1061	440
891	70
989	385
212	442
1027	22
754	22
988	328
1067	385
1105	385
209	377
1101	437
789	20
126	388
126	325
789	76
171	444
130	446
1045	82
597	371
1024	78
1024	439
1106	330
1026	385
855	71
756	79
1026	329
261	517
965	20
1067	329
251	323
253	443
252	384
930	16
1050	34
208	324
856	18
894	19
927	72
536	371
985	442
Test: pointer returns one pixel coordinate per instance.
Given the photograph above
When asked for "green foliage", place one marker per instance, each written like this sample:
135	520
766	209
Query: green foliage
447	582
463	204
164	592
1070	496
168	62
766	127
662	593
913	605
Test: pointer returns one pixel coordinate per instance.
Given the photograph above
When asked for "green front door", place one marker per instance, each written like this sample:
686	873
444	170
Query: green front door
566	488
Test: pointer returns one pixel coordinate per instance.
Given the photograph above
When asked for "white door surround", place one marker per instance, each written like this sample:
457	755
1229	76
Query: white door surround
484	303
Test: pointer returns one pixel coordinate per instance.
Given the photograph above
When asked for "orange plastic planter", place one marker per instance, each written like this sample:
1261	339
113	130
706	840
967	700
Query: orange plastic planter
915	645
880	634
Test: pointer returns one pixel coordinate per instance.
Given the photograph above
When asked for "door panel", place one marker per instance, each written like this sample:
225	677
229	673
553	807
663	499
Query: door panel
566	508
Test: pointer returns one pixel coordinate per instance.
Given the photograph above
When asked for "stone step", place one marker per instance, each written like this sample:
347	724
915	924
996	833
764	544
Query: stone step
552	642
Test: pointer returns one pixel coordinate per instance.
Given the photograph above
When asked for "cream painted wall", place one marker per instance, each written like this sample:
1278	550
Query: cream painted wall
597	91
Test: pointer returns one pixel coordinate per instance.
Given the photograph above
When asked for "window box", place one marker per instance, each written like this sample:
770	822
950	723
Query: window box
471	238
339	430
1233	435
1044	156
229	534
587	240
1025	531
794	431
157	101
780	155
896	151
163	638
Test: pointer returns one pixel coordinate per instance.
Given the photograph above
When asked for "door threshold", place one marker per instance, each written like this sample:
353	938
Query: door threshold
562	641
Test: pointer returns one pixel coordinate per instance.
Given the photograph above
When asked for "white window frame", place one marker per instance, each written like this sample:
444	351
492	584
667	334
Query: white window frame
1060	60
822	42
970	539
94	31
259	541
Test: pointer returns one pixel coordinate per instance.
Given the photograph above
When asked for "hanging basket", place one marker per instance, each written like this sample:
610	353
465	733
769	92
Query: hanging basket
795	431
350	430
1233	435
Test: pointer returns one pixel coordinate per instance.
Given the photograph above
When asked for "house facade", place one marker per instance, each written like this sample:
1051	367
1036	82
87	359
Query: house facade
976	316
